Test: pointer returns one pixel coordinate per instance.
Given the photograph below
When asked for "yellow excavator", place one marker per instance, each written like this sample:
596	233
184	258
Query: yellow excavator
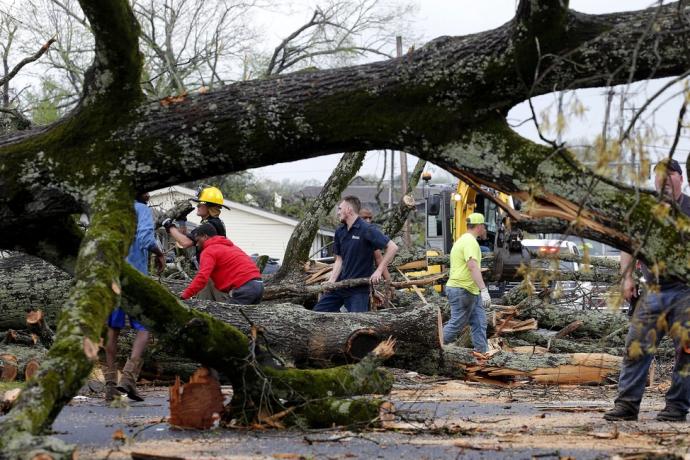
447	208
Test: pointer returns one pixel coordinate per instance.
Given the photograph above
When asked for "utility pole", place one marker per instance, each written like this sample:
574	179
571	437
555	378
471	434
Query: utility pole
403	167
391	195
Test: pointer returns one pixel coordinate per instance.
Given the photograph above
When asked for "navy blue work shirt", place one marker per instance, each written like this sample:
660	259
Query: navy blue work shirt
356	246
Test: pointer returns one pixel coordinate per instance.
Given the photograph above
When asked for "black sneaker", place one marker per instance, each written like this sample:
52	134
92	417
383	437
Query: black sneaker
671	414
620	413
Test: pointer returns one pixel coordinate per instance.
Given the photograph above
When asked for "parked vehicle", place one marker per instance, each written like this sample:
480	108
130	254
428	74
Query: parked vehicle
567	293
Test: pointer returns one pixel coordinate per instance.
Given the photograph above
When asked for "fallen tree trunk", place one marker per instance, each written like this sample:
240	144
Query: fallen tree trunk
596	324
279	291
257	388
508	369
302	336
29	283
311	338
559	345
161	365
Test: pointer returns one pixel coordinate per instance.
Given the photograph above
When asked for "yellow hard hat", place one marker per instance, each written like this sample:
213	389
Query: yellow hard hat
210	195
475	218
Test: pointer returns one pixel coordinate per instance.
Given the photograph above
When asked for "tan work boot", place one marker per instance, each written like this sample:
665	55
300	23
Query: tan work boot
128	381
110	384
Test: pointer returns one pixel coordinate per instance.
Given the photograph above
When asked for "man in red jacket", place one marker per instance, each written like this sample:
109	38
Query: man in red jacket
233	272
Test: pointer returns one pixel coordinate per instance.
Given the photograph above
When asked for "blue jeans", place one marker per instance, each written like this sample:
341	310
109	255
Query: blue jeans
662	313
466	307
356	301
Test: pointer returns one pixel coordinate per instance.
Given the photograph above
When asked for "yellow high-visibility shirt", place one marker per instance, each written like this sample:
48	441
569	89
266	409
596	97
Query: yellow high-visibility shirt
464	249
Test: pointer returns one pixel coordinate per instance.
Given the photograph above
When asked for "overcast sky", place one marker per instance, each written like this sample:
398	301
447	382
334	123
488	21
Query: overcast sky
461	17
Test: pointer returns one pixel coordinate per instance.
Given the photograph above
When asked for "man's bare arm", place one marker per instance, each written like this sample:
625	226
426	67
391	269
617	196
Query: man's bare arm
476	273
627	281
391	250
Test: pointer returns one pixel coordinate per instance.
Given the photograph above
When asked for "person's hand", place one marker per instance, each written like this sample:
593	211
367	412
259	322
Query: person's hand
628	287
376	276
167	223
486	298
160	263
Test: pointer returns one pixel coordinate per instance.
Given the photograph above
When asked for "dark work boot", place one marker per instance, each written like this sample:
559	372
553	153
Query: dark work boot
621	411
671	414
128	381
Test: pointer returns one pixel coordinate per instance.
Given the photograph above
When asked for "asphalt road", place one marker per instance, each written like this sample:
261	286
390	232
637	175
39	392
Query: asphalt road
445	420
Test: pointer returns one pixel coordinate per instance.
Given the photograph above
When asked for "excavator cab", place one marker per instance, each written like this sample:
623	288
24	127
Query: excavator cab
447	209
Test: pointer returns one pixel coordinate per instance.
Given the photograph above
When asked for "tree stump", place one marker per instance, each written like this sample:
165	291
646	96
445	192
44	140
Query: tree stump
197	404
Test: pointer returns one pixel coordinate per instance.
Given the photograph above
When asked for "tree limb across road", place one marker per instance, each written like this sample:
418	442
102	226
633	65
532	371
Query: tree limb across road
447	102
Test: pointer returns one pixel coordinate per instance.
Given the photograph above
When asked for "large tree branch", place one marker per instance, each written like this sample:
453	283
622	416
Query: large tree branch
70	359
114	76
422	103
255	387
553	185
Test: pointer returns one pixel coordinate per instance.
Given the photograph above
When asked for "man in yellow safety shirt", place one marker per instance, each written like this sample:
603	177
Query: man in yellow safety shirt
467	294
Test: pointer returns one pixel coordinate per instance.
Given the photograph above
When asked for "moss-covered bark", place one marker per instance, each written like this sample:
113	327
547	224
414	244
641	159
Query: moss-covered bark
70	359
554	185
445	101
357	413
256	388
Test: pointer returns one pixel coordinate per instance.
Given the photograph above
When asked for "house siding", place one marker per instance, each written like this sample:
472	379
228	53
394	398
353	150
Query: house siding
254	232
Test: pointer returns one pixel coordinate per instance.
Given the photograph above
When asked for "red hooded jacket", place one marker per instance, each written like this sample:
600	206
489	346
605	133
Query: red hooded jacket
226	264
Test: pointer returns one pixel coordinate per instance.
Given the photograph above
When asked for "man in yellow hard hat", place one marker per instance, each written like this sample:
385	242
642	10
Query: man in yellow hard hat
467	294
209	202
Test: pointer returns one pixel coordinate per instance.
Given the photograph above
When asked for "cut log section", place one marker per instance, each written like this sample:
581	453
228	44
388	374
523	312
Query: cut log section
16	361
522	365
7	400
8	363
30	369
20	338
550	369
30	283
197	404
36	323
306	337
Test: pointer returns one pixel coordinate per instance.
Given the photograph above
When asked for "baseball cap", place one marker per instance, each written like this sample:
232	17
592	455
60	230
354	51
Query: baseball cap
475	218
670	164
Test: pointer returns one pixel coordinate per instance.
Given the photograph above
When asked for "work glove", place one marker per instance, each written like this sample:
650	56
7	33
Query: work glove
486	298
167	223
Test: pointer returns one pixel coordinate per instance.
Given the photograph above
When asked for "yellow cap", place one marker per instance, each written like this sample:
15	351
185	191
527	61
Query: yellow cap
210	195
475	218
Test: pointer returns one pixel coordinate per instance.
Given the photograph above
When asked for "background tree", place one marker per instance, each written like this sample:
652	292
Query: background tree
341	32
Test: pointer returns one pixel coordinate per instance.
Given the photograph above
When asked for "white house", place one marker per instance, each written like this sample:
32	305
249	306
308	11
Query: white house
252	229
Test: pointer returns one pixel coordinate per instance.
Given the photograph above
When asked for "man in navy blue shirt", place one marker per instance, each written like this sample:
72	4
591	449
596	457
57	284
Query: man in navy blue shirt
354	246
